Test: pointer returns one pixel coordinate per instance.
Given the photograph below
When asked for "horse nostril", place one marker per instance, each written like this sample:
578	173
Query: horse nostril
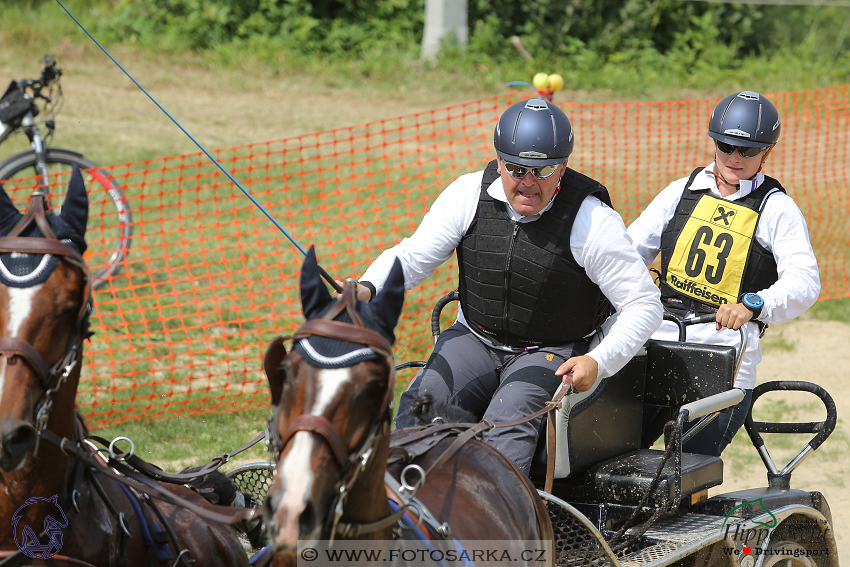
15	445
307	519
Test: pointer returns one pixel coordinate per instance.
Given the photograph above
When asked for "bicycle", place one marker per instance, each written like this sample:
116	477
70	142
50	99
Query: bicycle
110	219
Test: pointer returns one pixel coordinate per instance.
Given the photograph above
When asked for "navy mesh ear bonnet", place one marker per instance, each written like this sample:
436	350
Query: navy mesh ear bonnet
323	352
19	269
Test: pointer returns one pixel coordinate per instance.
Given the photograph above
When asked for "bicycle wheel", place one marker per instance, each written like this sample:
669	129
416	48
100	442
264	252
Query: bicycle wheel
110	225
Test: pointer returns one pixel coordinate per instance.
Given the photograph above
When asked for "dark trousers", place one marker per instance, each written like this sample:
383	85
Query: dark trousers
711	440
492	384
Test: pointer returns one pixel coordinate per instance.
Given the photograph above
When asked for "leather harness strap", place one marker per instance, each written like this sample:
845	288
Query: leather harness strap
472	430
35	212
55	559
124	474
152	471
321	426
10	348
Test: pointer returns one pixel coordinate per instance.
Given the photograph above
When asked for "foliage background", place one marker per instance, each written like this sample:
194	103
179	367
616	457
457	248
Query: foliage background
637	48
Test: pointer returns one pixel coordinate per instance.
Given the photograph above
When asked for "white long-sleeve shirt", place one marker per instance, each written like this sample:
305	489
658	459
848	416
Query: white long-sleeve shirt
598	241
781	230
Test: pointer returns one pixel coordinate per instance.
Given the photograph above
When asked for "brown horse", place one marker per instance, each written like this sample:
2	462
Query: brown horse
331	427
45	302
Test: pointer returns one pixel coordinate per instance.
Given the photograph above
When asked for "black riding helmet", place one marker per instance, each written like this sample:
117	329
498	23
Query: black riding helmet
534	133
745	119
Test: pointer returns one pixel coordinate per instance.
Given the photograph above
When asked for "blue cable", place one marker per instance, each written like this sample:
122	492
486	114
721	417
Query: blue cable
215	161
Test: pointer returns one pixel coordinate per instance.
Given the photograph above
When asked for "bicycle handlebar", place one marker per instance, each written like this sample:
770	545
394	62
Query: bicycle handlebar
50	74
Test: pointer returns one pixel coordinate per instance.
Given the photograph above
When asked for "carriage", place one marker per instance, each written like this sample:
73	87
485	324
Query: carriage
612	503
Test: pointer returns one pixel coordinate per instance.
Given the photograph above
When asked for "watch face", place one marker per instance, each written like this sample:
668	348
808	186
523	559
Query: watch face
753	299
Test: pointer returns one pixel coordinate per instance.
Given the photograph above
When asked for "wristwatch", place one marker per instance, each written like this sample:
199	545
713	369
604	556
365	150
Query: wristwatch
754	303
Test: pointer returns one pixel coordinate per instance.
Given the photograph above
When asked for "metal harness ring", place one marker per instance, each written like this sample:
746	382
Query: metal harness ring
405	485
124	456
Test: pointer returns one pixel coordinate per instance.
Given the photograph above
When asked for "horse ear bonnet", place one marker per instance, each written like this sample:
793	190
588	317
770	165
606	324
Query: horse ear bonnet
18	269
323	352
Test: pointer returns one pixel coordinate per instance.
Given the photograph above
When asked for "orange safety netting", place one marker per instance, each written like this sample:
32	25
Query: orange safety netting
209	281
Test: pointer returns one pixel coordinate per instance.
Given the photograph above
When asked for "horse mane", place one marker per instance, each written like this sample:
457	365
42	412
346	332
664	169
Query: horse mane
427	411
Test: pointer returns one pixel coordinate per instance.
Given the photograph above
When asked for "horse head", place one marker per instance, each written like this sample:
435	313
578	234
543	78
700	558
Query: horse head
45	301
333	397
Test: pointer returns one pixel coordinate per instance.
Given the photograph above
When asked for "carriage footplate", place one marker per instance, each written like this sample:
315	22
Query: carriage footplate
577	542
672	538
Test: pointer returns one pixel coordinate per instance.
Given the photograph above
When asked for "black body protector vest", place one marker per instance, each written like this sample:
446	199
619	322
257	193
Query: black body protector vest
520	285
709	253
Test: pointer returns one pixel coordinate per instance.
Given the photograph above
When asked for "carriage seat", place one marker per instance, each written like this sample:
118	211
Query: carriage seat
598	437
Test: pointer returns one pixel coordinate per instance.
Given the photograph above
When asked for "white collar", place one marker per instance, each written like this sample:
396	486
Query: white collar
708	181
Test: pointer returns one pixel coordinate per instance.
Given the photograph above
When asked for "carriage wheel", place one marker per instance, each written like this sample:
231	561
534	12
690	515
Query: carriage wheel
782	554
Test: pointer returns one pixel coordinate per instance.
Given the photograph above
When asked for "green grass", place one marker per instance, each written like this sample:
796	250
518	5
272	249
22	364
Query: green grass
774	342
180	442
832	310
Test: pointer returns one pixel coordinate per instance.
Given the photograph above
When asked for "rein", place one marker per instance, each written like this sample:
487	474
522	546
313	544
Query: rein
50	377
116	469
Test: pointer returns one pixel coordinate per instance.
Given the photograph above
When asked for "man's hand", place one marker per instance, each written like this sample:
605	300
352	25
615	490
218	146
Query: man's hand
581	371
363	292
732	316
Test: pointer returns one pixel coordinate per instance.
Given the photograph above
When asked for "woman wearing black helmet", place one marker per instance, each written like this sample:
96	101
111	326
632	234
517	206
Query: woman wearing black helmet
732	242
540	255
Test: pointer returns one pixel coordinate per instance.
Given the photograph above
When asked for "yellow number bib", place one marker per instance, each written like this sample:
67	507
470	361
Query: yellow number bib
711	251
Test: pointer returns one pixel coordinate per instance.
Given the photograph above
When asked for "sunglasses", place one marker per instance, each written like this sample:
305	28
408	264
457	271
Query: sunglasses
745	152
519	171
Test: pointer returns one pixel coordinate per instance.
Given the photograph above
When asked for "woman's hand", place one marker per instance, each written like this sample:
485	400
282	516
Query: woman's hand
732	316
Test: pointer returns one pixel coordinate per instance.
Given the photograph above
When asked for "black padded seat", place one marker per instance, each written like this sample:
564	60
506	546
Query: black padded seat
604	425
624	480
681	373
676	374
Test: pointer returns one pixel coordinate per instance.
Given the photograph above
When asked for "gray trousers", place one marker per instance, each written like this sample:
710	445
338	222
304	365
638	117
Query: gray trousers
492	384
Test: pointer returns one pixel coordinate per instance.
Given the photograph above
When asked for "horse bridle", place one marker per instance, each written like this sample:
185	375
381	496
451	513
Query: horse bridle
50	377
350	465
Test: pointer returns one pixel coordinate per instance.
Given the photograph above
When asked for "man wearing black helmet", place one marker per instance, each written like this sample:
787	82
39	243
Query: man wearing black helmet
733	243
542	259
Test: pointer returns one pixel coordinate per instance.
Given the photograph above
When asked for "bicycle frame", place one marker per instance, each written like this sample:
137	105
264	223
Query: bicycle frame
33	133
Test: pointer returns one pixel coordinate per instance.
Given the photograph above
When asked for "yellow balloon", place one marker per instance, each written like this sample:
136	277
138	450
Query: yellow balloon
555	82
540	81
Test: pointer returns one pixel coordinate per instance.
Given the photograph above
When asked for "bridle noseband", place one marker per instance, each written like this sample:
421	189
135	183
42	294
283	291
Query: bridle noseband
350	465
50	377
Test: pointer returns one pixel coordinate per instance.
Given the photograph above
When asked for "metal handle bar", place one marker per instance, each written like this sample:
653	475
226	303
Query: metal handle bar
435	327
823	429
411	364
710	318
711	404
438	308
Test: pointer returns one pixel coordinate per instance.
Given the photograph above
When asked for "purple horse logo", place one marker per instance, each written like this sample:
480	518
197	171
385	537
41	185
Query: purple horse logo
29	542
